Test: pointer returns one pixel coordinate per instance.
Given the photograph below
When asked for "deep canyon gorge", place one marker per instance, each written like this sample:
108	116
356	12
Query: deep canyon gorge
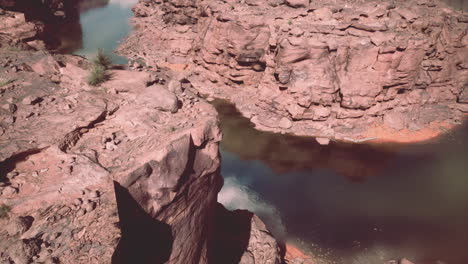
234	131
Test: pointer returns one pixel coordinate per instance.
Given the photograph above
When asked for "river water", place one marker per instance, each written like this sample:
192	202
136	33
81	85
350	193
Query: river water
351	203
342	203
102	25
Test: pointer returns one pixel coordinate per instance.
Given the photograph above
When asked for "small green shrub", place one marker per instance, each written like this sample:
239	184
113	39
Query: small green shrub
98	71
4	83
289	22
102	59
97	75
4	210
14	49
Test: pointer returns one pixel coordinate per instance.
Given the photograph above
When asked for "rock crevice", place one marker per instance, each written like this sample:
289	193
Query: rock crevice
332	69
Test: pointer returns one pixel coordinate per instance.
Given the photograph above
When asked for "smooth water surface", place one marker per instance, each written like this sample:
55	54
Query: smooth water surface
102	25
343	203
350	203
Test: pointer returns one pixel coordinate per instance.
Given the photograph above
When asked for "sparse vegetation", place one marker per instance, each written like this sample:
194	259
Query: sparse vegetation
173	129
98	71
97	75
290	22
4	210
13	48
6	82
102	59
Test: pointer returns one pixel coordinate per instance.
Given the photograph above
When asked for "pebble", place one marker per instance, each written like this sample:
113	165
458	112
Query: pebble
9	120
285	123
322	140
64	210
9	190
53	236
28	100
81	212
12	108
89	206
77	201
51	260
12	174
95	194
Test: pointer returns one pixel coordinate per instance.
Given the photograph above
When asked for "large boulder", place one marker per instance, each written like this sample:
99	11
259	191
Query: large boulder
166	206
158	97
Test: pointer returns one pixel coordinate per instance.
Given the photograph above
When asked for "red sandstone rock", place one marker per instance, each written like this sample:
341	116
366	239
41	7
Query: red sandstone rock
354	63
104	172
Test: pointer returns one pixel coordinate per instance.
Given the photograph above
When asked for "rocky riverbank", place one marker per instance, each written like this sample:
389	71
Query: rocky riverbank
331	69
129	171
124	172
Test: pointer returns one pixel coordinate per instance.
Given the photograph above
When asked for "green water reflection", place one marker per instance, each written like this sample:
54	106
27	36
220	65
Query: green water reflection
102	24
359	203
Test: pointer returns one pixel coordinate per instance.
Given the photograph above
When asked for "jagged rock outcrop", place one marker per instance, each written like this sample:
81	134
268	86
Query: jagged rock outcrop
32	25
16	31
316	68
178	192
241	237
102	174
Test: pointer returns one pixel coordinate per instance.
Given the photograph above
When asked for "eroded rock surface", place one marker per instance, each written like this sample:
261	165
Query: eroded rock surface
125	171
323	68
31	25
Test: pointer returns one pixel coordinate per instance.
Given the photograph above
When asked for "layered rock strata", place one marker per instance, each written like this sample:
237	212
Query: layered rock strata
34	25
325	68
123	172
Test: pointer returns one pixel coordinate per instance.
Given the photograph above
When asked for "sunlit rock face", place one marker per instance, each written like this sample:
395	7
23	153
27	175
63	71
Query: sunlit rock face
114	176
327	69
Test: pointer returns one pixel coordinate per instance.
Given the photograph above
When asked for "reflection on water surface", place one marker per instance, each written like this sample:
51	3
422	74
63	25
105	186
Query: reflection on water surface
353	204
356	203
102	24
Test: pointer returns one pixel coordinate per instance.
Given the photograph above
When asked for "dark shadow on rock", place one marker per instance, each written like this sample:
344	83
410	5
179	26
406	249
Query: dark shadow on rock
282	251
231	235
144	239
9	164
61	33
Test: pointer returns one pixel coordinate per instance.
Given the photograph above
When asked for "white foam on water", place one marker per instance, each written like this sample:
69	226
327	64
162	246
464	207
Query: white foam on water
235	195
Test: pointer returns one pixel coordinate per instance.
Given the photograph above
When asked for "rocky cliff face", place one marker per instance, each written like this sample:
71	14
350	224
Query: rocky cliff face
122	173
32	25
323	68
